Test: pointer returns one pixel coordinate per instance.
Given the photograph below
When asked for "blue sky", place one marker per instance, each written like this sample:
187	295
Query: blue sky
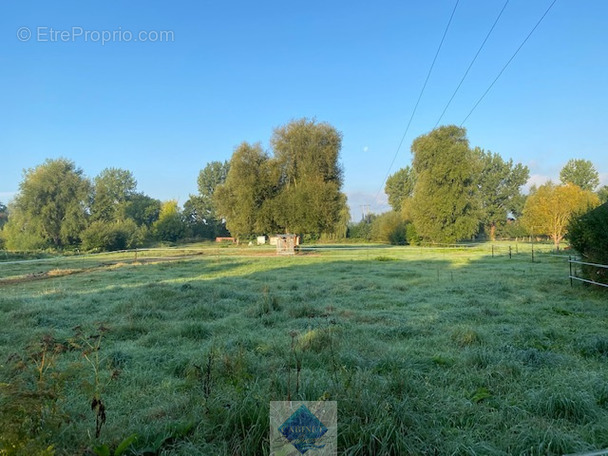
232	71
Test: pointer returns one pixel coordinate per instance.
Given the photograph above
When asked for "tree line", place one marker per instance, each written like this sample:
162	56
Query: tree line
451	192
455	192
296	189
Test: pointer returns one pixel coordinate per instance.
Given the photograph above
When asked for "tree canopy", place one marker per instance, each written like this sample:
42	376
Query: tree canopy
199	210
57	206
399	187
112	190
51	207
296	190
243	200
170	225
142	209
306	154
445	205
451	191
602	193
581	173
499	183
549	208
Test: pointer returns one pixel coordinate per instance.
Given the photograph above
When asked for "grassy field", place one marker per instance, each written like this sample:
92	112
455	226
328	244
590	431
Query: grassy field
426	351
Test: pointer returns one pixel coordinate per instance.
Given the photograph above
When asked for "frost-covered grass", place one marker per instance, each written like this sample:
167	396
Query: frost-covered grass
427	351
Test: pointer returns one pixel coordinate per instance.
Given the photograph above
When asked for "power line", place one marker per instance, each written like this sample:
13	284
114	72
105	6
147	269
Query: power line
508	62
417	101
471	64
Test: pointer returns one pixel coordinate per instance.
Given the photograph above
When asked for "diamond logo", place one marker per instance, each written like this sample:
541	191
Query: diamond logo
303	429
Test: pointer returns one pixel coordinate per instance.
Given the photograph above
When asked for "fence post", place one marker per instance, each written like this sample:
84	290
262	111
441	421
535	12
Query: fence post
492	250
570	264
532	253
509	252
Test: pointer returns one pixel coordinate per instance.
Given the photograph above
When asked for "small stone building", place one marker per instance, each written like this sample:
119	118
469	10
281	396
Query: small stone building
286	244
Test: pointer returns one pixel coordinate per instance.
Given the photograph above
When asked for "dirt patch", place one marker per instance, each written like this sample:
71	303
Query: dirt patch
40	276
110	265
55	273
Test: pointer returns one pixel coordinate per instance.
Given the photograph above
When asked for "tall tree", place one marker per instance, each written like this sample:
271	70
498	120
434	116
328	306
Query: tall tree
310	176
499	185
243	200
142	209
548	210
399	187
445	206
112	189
580	172
51	205
199	210
298	190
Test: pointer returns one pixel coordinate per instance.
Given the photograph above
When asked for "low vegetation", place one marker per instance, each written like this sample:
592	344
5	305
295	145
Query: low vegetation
427	351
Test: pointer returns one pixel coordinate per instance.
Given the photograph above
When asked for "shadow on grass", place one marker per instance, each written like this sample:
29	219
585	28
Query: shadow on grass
443	355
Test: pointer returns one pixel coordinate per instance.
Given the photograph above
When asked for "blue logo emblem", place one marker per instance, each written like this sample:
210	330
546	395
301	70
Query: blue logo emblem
303	429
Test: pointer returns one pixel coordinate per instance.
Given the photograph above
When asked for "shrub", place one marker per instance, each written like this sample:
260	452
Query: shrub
103	236
362	229
588	235
411	235
170	225
17	238
390	228
513	229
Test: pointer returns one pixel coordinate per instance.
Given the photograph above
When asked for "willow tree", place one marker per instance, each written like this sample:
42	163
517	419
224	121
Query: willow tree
112	190
50	208
244	199
297	189
309	200
445	204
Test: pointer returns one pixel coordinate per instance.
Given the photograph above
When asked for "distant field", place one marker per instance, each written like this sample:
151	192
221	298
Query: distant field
426	351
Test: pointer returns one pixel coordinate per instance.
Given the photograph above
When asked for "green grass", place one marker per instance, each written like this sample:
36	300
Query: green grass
427	351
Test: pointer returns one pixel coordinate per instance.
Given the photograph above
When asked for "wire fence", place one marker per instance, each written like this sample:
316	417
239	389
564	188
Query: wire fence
535	252
574	276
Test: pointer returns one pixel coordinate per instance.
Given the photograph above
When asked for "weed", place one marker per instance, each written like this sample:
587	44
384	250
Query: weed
104	450
564	403
384	258
464	337
596	346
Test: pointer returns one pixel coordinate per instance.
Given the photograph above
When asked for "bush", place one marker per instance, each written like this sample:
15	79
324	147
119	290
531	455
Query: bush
513	229
170	225
361	230
17	238
411	235
390	228
588	236
103	236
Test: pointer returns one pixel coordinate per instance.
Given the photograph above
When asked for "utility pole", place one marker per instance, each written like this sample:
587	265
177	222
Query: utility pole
364	211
